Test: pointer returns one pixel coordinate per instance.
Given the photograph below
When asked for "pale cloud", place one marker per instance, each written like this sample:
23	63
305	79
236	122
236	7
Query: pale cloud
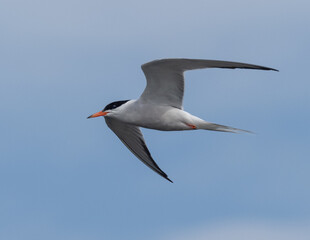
245	231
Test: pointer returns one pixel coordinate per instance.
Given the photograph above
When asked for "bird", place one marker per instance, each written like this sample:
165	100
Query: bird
160	106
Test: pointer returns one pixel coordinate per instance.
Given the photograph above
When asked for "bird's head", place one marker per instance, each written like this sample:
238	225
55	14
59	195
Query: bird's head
109	109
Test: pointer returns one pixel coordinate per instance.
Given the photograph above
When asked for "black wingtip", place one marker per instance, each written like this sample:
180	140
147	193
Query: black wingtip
168	179
268	69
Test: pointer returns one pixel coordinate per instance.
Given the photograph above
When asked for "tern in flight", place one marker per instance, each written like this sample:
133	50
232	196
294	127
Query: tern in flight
160	106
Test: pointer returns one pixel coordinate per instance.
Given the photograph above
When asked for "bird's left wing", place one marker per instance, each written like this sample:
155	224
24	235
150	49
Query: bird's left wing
132	137
165	79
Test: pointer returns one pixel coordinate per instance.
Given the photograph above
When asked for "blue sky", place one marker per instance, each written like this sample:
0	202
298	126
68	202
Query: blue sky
65	177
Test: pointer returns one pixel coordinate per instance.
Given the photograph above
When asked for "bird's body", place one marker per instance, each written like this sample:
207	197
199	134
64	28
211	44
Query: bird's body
158	117
160	106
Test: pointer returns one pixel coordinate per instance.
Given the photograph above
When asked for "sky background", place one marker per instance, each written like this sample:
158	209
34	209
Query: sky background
65	177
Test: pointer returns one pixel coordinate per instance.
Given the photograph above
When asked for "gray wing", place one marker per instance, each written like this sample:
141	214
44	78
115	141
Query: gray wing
165	79
133	139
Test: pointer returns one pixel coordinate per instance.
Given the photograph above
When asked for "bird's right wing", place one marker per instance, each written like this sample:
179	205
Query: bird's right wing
165	80
133	139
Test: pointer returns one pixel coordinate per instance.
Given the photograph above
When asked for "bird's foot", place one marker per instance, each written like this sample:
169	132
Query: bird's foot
191	126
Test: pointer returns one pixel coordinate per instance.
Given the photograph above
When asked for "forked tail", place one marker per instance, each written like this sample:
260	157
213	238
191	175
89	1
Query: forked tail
221	128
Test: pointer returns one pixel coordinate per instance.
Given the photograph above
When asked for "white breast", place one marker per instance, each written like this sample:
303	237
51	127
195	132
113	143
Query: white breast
165	118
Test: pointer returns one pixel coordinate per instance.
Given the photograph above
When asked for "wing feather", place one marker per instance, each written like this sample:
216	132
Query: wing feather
165	79
133	139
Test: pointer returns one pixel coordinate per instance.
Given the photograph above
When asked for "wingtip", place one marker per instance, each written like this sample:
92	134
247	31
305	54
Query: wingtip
268	69
169	179
165	176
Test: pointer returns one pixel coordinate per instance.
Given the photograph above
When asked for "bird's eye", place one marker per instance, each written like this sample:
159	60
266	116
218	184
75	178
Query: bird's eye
114	106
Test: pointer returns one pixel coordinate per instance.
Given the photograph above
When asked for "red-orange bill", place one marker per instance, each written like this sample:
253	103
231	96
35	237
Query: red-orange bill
98	114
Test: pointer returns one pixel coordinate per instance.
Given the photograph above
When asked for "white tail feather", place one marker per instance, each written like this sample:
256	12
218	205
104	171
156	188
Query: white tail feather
221	128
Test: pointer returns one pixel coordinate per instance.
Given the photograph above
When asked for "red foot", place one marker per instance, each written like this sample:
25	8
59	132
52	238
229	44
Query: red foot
191	126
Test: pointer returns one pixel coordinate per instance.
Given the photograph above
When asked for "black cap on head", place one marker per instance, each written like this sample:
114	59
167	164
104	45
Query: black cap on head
114	105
